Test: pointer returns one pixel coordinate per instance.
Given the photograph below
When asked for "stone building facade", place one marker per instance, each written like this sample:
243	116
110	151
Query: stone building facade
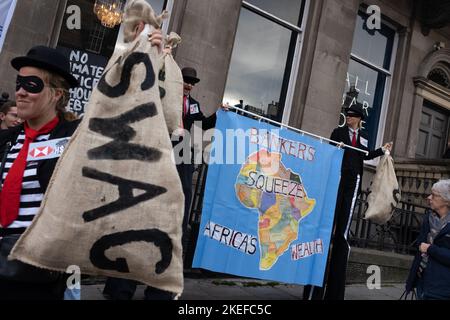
294	61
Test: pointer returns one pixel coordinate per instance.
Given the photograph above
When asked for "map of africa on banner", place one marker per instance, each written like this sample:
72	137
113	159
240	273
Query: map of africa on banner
269	202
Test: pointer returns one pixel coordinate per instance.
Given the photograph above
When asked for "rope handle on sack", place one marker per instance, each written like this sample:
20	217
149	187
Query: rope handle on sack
171	40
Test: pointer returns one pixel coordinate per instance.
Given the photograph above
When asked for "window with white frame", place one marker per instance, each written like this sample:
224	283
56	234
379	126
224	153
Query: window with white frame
265	56
90	47
370	73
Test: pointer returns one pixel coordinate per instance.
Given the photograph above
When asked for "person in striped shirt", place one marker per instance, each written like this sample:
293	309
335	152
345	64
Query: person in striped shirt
29	158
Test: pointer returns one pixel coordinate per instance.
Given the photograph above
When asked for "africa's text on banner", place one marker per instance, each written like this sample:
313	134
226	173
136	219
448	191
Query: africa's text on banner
269	213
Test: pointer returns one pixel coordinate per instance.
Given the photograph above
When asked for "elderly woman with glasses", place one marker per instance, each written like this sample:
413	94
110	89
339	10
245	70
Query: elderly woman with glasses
430	270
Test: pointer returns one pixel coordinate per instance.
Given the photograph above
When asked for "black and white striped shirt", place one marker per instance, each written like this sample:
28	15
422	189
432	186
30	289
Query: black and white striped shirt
31	196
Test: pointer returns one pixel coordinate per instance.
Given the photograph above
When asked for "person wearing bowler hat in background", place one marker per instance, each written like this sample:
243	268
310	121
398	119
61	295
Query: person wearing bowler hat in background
191	107
42	93
191	113
349	187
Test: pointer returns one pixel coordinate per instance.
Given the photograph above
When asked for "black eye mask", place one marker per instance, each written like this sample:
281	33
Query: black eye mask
31	84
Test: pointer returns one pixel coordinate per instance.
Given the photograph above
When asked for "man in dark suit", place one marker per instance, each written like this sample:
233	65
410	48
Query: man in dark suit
191	114
191	107
349	187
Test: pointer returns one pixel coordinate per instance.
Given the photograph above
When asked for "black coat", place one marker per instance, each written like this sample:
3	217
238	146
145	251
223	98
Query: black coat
353	161
45	167
190	118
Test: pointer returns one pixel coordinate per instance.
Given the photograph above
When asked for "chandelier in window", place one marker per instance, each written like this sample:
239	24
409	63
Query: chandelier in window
109	12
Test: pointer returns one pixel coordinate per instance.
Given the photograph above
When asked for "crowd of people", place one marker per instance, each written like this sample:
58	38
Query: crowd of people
39	114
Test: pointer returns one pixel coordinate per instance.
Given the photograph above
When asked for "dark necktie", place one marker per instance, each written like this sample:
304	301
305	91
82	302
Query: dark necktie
185	105
354	139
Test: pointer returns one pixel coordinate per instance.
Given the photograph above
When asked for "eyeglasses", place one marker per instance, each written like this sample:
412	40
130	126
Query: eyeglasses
31	84
435	195
13	114
352	115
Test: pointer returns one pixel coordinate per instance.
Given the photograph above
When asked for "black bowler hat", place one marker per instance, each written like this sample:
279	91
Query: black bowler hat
190	75
47	59
355	110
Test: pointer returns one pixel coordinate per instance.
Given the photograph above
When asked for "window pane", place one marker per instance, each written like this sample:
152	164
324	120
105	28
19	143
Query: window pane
374	46
426	119
89	49
435	147
370	84
284	9
421	150
92	37
433	126
259	65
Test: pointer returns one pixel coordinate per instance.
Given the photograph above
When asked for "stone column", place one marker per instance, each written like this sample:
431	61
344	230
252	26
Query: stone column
207	29
33	23
397	92
332	47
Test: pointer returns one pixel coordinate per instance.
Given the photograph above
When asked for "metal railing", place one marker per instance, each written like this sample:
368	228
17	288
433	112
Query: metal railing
397	235
195	213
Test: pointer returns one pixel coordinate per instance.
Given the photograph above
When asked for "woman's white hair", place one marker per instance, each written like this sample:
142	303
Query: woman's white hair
442	187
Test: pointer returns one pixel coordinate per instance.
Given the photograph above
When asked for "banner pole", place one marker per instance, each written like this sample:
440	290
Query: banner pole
298	130
311	293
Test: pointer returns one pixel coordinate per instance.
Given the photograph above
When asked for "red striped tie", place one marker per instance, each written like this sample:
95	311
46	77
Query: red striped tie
12	187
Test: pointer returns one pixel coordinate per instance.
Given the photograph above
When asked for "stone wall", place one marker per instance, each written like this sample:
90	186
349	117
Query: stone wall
207	30
332	46
33	23
394	267
411	104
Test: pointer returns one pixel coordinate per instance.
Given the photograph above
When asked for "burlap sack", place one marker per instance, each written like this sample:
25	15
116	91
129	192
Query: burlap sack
384	192
114	206
170	82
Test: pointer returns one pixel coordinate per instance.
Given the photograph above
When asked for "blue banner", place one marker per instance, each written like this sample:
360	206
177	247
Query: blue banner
269	202
6	12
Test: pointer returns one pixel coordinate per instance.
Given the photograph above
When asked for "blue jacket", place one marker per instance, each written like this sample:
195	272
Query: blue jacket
436	277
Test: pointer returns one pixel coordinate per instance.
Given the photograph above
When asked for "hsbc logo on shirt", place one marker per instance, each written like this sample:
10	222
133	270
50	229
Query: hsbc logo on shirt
49	149
41	152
